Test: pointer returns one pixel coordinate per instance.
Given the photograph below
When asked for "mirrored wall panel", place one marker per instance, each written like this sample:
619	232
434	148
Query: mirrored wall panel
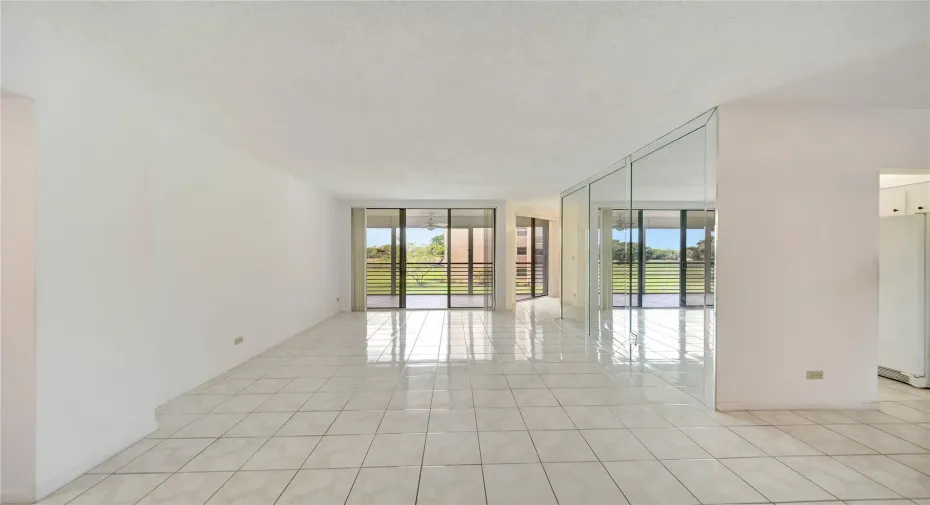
612	256
648	258
672	317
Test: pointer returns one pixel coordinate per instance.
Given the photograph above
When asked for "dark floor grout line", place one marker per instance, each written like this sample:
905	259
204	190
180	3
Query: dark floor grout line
467	364
541	464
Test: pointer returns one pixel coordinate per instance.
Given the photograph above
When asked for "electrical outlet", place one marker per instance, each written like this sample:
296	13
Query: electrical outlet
238	340
814	374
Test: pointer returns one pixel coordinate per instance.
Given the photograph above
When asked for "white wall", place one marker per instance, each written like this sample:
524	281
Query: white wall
240	249
797	252
574	256
95	344
17	300
155	246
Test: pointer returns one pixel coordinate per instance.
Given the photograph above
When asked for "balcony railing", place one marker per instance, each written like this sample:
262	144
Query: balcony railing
430	278
525	279
661	277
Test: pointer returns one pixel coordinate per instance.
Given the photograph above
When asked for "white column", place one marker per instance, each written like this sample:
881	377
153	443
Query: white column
555	259
797	258
359	259
17	301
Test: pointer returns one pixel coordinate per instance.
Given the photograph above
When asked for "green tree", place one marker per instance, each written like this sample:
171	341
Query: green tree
437	245
425	262
697	252
661	254
379	254
625	252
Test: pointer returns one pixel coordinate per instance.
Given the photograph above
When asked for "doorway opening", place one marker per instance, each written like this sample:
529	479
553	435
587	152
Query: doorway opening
532	257
904	278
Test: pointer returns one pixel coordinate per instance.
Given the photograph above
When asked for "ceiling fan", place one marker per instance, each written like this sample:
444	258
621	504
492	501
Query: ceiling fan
432	224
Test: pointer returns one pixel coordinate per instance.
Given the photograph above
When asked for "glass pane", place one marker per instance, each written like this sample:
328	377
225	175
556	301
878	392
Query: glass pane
541	257
670	196
471	267
662	246
383	286
524	258
710	204
626	258
611	277
574	258
427	282
699	254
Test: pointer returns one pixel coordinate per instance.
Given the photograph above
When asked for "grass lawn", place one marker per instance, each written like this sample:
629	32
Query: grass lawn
661	278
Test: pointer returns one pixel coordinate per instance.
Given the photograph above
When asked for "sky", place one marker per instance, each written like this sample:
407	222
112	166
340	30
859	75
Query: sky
421	236
662	238
655	238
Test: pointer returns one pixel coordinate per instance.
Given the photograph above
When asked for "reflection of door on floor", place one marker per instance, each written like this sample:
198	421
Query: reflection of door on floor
429	258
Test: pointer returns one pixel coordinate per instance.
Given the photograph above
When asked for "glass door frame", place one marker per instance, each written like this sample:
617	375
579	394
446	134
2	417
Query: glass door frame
402	260
378	282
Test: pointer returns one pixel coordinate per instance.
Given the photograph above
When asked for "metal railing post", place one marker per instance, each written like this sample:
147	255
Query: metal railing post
641	256
531	250
449	259
471	260
683	259
393	260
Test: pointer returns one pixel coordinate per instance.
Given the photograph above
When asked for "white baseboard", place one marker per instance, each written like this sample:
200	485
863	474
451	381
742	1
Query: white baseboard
749	405
50	485
14	496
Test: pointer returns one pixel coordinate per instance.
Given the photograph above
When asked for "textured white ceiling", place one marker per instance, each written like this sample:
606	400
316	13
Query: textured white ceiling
466	100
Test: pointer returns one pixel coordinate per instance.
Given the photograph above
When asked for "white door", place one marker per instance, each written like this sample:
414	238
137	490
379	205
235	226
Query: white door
902	294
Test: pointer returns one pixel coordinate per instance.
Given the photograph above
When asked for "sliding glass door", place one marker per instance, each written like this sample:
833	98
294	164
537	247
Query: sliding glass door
540	257
661	258
430	258
383	273
661	268
471	269
532	257
426	259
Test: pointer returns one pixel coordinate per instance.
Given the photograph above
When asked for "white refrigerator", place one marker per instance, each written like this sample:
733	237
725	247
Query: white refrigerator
903	297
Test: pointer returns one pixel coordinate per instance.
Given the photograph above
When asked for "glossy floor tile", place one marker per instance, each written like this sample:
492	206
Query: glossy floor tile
493	408
451	485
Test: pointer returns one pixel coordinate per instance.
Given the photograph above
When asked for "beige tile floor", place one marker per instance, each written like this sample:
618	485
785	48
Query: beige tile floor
470	407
